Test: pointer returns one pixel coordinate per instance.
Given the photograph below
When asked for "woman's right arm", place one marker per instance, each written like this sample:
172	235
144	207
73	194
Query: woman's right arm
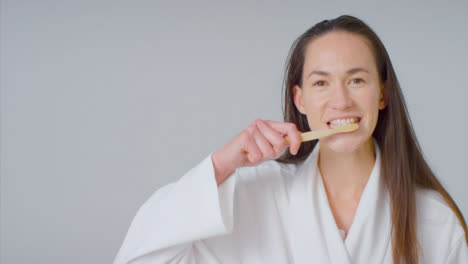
171	226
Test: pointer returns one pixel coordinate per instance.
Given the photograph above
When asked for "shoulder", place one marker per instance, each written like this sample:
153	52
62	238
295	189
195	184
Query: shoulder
438	225
432	208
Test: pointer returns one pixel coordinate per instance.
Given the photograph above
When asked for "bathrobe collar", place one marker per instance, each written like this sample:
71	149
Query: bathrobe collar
315	235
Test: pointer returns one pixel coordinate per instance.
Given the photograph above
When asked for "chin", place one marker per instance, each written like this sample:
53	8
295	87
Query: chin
342	143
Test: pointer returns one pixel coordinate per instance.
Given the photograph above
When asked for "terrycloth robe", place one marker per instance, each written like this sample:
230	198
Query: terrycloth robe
279	213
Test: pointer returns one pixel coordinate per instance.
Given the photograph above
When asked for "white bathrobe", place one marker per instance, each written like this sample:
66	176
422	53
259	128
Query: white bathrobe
279	213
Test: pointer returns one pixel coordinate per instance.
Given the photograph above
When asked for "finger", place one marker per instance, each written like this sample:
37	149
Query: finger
291	131
249	146
265	147
275	138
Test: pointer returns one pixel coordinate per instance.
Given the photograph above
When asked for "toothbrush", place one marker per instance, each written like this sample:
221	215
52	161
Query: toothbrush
311	135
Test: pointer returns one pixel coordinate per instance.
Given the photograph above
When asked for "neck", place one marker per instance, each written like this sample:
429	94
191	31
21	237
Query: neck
345	174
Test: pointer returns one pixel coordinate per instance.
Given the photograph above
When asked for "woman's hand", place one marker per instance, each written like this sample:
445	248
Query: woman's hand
260	141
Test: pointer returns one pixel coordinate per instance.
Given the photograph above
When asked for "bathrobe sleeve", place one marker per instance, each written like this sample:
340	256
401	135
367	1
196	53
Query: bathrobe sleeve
170	225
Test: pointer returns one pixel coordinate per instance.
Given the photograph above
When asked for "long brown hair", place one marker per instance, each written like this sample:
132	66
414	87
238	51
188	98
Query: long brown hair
403	167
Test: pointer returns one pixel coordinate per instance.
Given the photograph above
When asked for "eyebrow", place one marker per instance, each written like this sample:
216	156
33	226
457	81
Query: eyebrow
351	71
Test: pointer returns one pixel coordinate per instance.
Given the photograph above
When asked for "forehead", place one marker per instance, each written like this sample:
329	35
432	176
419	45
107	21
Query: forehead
337	52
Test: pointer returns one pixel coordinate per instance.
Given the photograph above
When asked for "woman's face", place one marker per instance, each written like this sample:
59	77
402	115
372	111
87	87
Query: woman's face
340	84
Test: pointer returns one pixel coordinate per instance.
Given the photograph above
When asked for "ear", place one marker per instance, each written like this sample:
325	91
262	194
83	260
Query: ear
383	96
297	93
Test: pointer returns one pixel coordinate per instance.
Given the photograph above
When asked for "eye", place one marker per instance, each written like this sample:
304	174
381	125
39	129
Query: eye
319	83
357	81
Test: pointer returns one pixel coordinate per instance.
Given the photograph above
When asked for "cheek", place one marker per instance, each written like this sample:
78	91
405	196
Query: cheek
313	102
314	109
372	109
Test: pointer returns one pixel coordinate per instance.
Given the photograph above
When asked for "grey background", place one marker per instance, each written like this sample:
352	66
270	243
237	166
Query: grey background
103	102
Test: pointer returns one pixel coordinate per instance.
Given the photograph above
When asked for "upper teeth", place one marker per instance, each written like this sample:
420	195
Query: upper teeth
342	122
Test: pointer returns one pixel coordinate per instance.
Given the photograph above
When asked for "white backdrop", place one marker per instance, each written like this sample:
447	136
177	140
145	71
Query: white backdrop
103	102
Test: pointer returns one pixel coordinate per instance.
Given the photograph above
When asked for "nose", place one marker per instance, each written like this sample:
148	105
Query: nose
340	97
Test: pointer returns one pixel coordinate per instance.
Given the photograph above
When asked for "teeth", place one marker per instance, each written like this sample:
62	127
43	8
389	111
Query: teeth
342	122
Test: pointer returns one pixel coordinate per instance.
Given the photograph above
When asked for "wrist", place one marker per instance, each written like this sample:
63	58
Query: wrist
221	171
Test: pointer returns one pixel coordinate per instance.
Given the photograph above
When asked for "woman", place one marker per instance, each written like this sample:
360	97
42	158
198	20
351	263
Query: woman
366	196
